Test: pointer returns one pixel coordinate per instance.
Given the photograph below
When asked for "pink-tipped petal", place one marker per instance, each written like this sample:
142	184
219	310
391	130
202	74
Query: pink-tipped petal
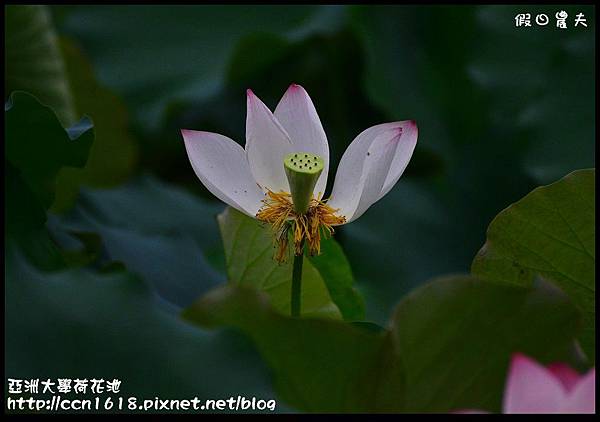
567	375
364	169
267	143
376	168
221	166
531	388
408	142
582	399
298	116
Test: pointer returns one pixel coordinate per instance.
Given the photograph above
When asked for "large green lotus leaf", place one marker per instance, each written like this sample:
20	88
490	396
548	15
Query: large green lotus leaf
551	232
33	61
447	348
456	335
319	365
158	231
249	255
75	323
190	46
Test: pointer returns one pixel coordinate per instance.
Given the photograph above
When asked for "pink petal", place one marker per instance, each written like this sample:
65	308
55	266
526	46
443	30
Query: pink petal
582	399
221	166
355	166
267	143
408	142
298	116
531	388
381	155
567	375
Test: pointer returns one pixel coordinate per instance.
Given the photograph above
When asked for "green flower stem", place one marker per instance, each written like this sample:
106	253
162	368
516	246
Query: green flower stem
297	284
302	170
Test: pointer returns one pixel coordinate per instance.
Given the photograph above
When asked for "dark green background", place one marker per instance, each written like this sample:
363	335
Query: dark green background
500	110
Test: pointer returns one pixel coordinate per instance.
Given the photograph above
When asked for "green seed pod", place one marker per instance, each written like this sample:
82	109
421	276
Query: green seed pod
302	170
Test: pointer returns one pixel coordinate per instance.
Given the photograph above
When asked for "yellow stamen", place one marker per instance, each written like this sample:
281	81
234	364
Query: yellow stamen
318	221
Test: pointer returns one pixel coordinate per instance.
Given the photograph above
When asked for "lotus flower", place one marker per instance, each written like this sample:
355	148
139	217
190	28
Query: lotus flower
290	145
533	388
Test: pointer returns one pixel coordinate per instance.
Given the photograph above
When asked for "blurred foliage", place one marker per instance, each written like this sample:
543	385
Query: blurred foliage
114	153
455	363
32	59
65	322
36	148
33	127
188	47
539	85
95	290
429	360
320	365
75	323
155	231
427	63
551	233
57	73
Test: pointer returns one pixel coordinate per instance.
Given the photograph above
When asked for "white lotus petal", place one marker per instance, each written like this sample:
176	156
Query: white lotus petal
298	116
221	166
356	169
267	143
404	152
382	150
